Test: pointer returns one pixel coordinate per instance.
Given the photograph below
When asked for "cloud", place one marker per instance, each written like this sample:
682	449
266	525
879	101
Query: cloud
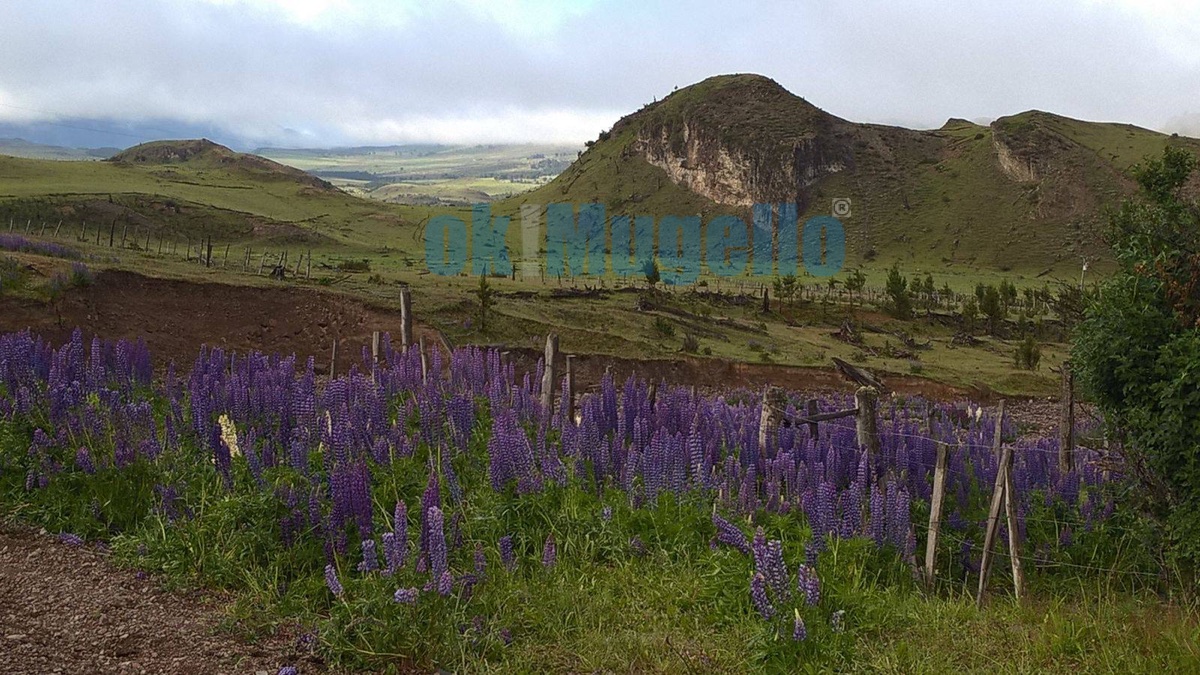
324	72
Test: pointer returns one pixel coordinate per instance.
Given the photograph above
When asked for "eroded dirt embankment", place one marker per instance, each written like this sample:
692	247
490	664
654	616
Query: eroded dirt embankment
176	317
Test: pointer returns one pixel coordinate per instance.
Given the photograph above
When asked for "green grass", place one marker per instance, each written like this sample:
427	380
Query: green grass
679	607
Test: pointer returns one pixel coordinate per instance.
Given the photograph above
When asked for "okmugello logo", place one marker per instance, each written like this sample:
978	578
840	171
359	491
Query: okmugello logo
581	240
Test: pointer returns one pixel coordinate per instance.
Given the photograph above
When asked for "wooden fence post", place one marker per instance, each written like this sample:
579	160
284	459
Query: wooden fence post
814	429
993	525
570	402
866	423
548	376
424	360
375	346
225	258
996	440
333	360
1014	542
935	513
772	402
1066	425
262	261
406	335
308	271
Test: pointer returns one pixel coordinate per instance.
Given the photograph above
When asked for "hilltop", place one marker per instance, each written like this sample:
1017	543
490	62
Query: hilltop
1025	192
194	190
202	153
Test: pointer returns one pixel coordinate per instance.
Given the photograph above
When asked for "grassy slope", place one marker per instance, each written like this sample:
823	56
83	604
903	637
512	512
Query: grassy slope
216	200
50	191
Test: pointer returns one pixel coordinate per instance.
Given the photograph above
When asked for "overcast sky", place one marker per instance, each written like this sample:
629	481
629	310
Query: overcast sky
337	72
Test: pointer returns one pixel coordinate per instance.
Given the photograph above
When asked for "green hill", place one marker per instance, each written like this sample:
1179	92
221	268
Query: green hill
1025	193
197	189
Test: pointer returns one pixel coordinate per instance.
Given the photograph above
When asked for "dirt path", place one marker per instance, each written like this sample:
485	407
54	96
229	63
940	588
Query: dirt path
66	609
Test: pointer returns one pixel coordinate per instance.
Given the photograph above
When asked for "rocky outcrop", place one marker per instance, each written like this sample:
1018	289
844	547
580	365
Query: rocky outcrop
697	157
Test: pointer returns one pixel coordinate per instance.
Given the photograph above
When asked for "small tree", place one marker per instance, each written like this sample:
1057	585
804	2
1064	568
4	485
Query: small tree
1028	354
486	295
900	303
992	308
855	283
1137	346
1008	294
650	269
970	312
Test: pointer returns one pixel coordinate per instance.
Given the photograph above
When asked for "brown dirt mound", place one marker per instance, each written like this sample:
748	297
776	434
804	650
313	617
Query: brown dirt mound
177	317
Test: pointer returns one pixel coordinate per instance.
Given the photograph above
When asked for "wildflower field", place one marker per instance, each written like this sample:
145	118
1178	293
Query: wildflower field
411	522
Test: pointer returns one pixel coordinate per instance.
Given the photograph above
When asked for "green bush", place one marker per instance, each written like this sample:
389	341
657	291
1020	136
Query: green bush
899	298
663	328
1028	354
1137	351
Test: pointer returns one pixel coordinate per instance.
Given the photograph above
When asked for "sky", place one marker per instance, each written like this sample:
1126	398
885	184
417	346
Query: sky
320	73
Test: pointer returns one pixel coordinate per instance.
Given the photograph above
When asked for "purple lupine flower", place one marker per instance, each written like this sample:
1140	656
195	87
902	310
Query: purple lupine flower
809	584
837	621
288	670
799	632
331	580
877	524
393	556
637	546
83	459
1065	537
480	560
435	521
406	596
730	535
758	596
506	636
306	642
606	513
370	559
70	539
445	584
549	551
430	499
507	557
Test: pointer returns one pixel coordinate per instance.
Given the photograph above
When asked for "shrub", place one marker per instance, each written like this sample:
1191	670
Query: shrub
81	275
362	265
11	274
690	344
1028	354
663	328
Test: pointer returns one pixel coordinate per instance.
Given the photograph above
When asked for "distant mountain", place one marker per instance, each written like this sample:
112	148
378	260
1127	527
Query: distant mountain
1027	191
17	147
